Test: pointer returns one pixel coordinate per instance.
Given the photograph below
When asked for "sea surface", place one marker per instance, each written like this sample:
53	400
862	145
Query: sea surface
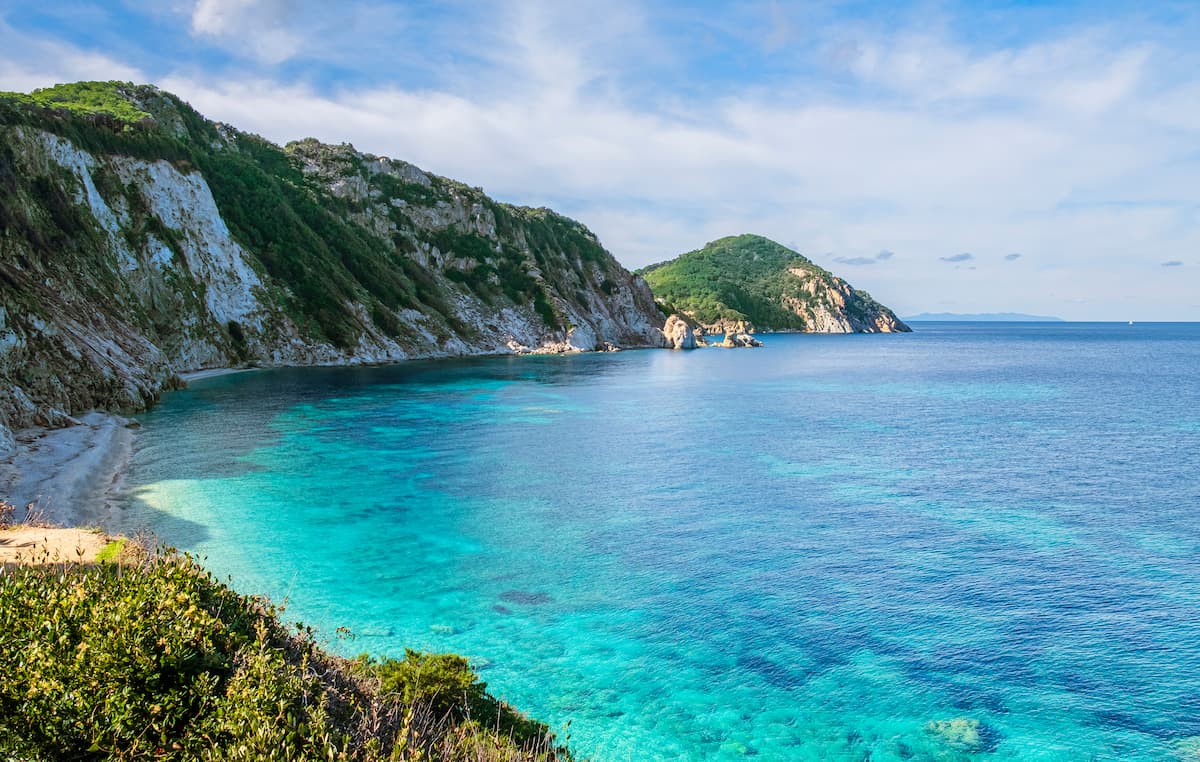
829	548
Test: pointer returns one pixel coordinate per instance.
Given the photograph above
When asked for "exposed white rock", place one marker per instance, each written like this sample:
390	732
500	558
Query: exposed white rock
678	333
80	164
185	204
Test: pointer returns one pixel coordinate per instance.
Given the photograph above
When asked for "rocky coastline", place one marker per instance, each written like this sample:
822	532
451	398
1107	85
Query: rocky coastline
136	256
131	252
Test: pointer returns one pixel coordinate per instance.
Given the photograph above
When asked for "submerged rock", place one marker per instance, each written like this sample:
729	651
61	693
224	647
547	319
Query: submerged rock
525	597
1187	749
961	733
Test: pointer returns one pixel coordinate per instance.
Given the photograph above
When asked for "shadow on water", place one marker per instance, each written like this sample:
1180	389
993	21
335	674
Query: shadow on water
134	516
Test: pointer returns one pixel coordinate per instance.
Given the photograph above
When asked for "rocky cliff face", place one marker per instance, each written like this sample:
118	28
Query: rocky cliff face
830	305
133	248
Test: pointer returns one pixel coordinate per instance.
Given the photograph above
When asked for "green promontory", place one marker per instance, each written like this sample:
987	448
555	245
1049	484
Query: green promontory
748	281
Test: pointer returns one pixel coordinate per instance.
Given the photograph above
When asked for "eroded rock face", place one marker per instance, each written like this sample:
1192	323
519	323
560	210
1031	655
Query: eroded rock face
679	334
824	308
725	326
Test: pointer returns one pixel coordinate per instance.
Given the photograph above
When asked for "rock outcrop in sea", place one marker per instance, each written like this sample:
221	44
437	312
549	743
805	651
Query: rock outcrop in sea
734	340
679	333
139	240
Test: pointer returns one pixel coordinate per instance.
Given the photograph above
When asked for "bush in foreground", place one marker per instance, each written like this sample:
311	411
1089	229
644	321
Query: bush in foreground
158	660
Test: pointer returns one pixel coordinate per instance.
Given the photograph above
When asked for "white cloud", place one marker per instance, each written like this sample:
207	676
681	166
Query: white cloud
27	64
260	26
1077	152
274	31
1081	73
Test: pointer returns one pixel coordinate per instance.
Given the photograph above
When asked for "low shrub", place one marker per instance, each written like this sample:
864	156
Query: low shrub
450	688
157	660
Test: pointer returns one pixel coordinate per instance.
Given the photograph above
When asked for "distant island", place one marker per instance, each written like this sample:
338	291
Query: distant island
983	317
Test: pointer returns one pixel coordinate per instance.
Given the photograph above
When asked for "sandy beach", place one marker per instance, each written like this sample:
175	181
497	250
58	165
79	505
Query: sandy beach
71	475
27	545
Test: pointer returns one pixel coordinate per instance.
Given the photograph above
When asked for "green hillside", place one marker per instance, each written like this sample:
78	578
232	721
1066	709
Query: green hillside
756	280
307	240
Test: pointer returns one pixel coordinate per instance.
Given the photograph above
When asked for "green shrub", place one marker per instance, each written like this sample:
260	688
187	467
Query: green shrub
157	660
451	689
87	98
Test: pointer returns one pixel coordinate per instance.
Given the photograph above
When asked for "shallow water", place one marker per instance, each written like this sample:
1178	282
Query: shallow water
808	551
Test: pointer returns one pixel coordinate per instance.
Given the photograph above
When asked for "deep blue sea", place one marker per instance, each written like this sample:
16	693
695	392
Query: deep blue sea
976	541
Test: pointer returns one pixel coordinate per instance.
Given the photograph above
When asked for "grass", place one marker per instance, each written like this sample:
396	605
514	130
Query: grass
111	552
87	98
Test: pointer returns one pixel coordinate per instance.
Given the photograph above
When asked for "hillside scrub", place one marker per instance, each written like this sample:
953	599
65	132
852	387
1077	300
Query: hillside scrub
155	659
753	280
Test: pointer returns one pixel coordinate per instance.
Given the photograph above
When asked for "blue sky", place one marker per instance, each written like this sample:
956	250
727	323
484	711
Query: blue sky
992	156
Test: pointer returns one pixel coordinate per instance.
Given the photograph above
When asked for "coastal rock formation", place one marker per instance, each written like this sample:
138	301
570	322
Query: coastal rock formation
724	326
679	334
733	340
139	240
745	283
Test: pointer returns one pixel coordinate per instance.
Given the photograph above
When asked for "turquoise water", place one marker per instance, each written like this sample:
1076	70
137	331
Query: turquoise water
808	551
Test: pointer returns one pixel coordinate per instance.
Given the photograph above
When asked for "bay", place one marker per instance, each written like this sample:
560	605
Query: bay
819	549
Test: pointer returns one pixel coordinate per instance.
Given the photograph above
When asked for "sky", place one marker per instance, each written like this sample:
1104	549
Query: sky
1038	157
